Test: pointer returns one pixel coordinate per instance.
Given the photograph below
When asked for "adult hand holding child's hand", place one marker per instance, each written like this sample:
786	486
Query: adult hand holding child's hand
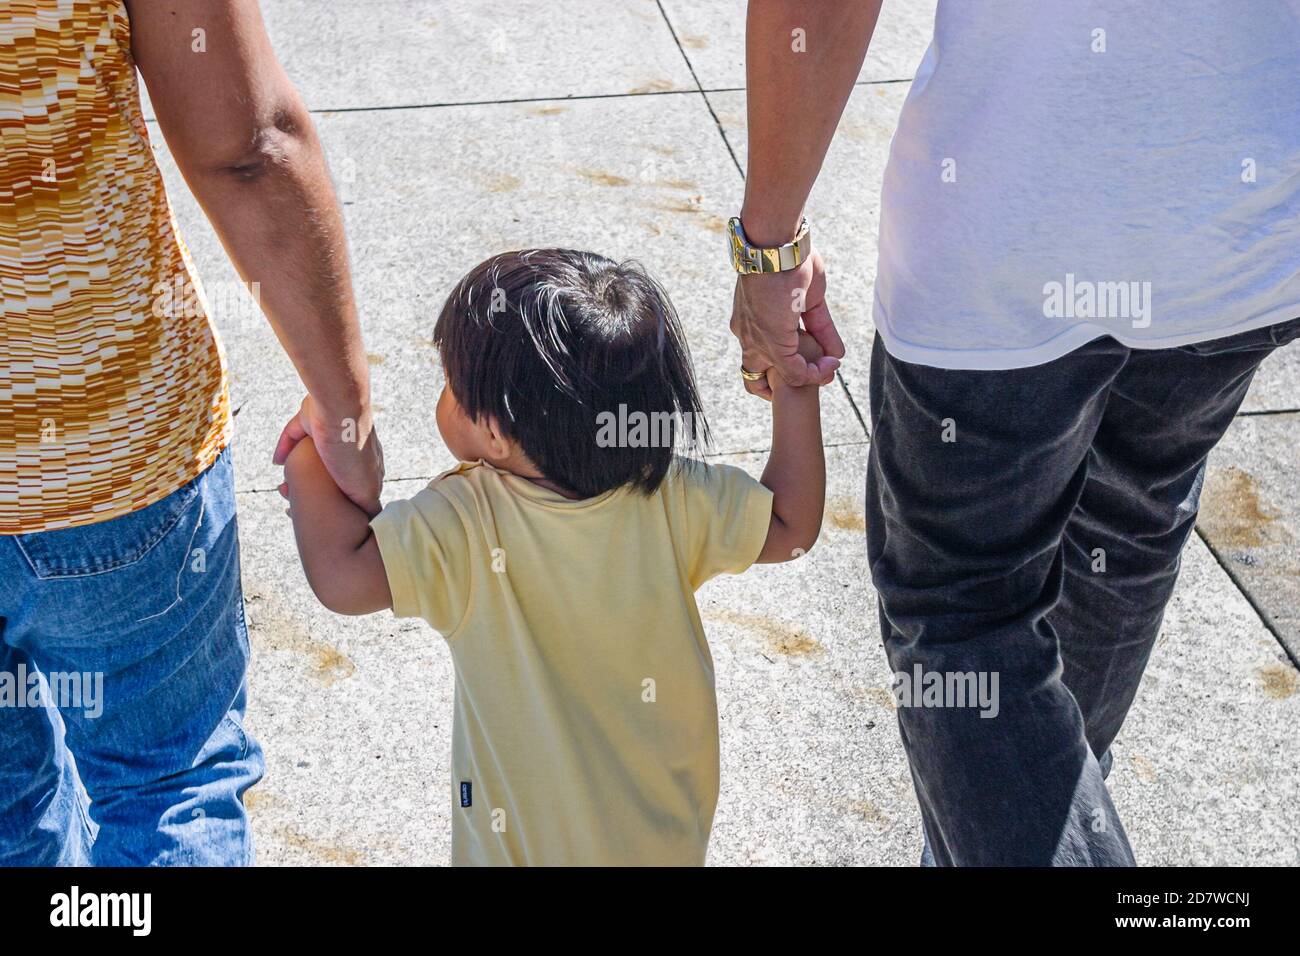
765	317
348	446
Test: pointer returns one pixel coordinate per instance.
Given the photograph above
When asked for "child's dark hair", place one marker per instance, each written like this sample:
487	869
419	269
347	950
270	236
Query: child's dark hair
550	343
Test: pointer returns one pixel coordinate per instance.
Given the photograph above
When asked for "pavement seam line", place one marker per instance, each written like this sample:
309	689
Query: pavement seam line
699	88
712	454
857	413
1260	413
581	97
574	97
1260	611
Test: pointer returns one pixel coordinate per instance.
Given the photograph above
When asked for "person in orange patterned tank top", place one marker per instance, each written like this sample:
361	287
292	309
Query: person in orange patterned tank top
122	634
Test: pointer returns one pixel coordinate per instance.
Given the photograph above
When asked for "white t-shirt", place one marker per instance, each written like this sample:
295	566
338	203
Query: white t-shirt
1063	171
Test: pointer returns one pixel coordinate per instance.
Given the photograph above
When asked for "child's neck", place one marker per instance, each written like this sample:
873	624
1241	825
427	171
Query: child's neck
521	467
549	485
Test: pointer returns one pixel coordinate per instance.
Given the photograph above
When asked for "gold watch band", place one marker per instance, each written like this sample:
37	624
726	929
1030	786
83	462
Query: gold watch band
753	260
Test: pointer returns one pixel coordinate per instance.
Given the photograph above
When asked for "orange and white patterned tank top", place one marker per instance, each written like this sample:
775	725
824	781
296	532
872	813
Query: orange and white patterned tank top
111	397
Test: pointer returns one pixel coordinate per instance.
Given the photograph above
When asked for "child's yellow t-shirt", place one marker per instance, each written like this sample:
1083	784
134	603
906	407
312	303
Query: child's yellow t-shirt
586	724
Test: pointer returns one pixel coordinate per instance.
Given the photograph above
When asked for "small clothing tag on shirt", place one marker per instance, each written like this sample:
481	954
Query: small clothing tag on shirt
466	793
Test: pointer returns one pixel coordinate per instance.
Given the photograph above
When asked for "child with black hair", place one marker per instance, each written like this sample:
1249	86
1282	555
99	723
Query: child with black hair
560	559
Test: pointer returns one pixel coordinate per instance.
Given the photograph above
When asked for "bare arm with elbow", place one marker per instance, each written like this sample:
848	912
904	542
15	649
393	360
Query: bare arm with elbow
247	147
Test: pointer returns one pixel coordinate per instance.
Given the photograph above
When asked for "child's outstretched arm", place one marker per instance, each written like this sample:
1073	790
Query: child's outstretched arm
338	550
796	466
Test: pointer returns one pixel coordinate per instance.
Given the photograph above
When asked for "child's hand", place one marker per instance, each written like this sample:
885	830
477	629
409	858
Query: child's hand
303	460
349	449
339	554
809	348
811	352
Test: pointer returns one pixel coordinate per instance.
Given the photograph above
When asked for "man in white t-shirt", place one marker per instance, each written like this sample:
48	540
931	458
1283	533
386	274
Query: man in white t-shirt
1089	239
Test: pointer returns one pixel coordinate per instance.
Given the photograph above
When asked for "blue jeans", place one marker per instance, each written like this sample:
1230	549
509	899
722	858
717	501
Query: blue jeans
1025	526
124	648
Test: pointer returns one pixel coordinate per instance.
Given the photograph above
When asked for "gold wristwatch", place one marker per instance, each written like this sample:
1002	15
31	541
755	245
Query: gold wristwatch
752	260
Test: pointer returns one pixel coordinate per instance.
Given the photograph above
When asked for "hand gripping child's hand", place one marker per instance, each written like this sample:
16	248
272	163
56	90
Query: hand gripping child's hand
811	351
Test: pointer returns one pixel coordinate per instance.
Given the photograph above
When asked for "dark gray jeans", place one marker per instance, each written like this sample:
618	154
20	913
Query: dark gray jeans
1024	528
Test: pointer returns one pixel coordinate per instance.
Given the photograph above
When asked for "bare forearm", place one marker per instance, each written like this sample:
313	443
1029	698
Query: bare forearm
245	143
795	472
795	99
279	220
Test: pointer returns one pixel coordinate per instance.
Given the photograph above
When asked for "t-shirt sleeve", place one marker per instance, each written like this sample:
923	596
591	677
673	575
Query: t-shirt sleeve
425	550
728	514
